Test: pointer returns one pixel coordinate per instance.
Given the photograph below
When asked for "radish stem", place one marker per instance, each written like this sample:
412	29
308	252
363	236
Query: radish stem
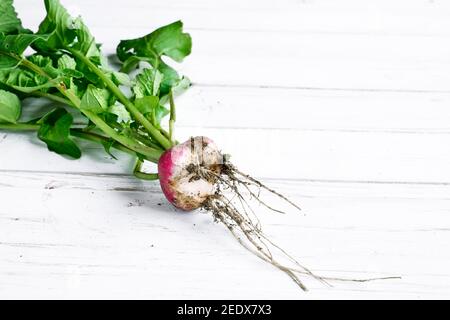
142	175
150	153
154	132
173	116
52	97
79	133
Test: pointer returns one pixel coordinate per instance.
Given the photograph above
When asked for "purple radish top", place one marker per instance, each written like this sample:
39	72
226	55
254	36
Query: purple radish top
188	172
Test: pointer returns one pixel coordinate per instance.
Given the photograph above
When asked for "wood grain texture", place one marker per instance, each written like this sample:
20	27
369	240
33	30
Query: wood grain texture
342	105
121	239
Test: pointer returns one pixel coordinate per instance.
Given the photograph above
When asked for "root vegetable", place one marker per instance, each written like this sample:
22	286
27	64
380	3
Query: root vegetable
189	171
68	67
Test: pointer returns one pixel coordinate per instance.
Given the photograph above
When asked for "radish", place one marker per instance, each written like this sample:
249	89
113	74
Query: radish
189	171
68	67
192	176
195	174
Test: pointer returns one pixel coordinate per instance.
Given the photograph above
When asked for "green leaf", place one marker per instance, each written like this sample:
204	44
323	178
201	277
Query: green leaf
151	107
67	67
171	78
70	73
85	41
147	104
9	22
182	85
21	78
131	63
121	78
121	112
46	64
159	113
27	81
66	62
168	41
13	46
65	31
95	99
147	83
107	145
55	132
59	24
10	108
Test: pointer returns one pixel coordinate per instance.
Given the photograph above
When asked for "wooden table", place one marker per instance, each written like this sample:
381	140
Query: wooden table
342	105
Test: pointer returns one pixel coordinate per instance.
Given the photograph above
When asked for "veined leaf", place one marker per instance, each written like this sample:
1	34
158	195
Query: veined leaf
27	82
147	83
59	24
167	41
132	63
13	46
95	99
21	78
67	66
151	107
85	41
171	77
123	116
182	85
55	132
121	78
71	73
66	62
10	108
147	104
46	64
65	31
9	22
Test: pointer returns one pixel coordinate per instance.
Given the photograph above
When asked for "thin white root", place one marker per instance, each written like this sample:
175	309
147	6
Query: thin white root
246	227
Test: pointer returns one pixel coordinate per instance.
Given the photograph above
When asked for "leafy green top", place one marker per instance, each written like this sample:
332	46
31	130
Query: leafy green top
67	66
9	22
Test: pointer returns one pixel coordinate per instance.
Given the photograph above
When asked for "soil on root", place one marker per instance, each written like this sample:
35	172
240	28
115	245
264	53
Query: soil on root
239	218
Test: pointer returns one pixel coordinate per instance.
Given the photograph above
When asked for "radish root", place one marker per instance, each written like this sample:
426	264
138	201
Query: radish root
244	225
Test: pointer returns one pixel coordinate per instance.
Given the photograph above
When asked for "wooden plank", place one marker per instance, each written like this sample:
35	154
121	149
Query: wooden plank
102	237
321	110
309	109
319	61
311	60
385	17
347	101
338	135
289	154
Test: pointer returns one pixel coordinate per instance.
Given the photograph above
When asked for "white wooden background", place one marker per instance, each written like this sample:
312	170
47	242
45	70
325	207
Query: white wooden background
342	105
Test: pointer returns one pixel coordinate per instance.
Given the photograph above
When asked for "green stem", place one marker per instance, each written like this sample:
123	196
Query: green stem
30	65
38	93
79	133
19	126
150	153
99	139
154	132
52	97
142	175
64	101
146	141
173	116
